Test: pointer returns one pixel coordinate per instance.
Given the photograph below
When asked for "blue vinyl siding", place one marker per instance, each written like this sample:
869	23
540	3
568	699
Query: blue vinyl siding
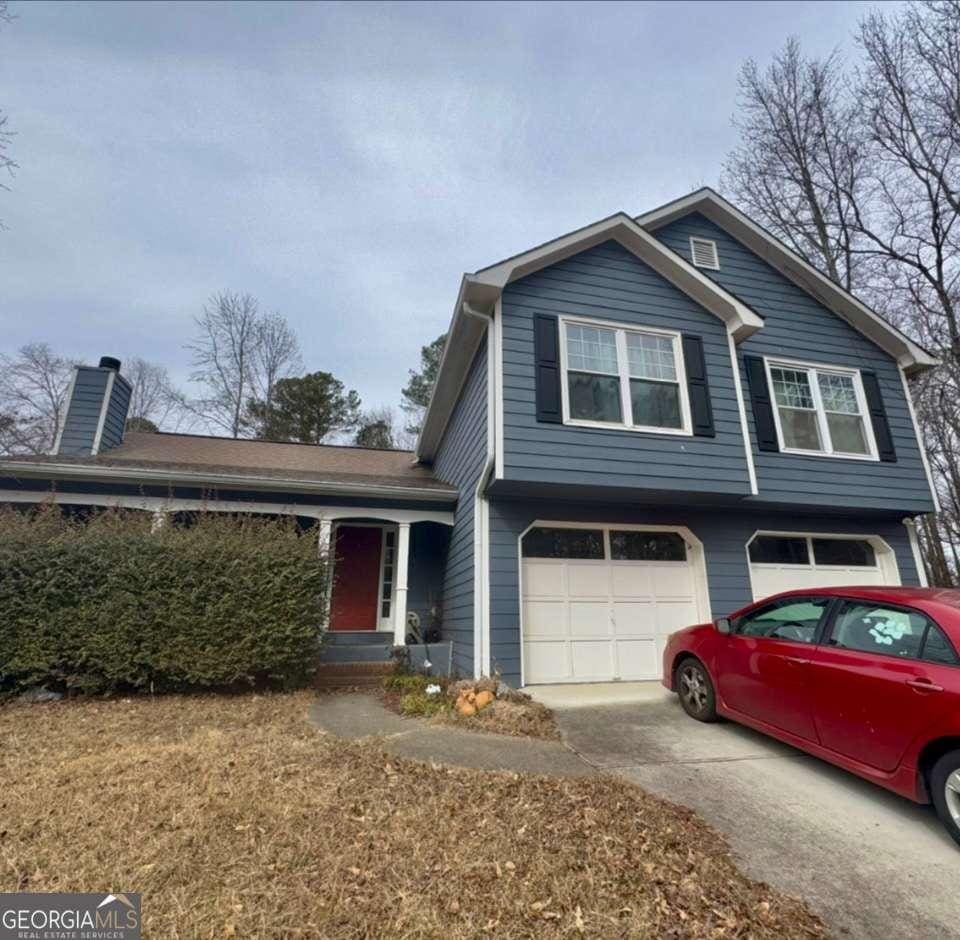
428	554
724	534
459	462
609	283
798	326
85	407
83	412
116	417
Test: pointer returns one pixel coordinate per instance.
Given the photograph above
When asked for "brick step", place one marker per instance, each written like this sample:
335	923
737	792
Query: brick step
336	675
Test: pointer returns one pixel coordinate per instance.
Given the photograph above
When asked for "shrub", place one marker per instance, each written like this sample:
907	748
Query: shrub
106	604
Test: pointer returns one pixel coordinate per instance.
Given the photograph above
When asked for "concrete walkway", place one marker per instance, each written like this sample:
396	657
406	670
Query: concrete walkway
356	715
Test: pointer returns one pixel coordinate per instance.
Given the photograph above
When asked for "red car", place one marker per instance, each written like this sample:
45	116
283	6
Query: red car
866	678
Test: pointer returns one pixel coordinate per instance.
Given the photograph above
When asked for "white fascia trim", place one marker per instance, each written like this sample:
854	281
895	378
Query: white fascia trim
143	475
907	353
481	526
911	526
498	389
916	430
480	292
64	411
164	504
639	242
104	407
742	409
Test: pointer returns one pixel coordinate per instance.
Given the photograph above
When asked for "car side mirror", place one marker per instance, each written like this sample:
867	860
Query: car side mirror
723	625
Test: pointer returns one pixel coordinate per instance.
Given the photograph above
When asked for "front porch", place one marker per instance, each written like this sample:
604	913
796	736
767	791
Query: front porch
387	562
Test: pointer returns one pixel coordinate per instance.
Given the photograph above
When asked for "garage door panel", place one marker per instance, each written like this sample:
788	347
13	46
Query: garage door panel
545	619
591	660
551	661
637	659
629	579
674	615
635	618
589	618
588	579
543	578
673	579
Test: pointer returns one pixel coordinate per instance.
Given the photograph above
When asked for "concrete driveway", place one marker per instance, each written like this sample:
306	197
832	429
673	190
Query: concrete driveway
871	864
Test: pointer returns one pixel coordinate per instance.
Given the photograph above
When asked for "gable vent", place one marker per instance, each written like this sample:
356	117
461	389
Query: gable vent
704	253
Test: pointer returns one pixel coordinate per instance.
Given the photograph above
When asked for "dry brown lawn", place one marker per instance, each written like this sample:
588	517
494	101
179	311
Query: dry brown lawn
233	817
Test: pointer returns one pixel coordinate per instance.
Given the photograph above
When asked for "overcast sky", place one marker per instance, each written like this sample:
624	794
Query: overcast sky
344	163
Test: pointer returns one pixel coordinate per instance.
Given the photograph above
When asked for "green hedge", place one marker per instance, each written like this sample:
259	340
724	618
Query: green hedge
105	604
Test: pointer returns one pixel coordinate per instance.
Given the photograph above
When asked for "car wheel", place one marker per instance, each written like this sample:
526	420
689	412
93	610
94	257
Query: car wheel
696	690
945	791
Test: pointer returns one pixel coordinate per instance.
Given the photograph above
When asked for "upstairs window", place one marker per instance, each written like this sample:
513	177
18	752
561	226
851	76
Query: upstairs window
820	410
703	251
624	377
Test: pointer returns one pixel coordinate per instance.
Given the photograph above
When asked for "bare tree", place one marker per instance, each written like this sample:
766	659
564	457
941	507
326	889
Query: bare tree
239	355
799	165
859	174
155	401
33	392
276	356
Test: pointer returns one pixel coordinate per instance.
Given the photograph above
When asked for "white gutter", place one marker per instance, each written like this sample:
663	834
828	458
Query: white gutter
147	475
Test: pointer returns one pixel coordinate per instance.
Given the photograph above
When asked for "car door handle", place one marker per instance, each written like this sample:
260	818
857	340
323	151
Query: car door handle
797	660
924	685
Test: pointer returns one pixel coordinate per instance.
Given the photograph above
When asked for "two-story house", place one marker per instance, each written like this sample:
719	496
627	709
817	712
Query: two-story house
645	423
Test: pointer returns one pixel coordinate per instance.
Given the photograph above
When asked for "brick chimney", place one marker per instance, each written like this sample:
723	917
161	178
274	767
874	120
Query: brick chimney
96	410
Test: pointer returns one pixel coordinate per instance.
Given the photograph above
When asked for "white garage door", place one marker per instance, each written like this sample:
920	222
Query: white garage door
786	562
599	602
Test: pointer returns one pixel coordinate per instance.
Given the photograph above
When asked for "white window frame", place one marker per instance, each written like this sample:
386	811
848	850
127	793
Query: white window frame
693	254
623	371
810	368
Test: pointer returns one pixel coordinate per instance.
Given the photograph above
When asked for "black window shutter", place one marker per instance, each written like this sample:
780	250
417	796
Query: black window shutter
762	405
701	411
878	417
546	351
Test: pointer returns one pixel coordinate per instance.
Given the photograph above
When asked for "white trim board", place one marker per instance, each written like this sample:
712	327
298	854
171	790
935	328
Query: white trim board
480	292
845	305
169	504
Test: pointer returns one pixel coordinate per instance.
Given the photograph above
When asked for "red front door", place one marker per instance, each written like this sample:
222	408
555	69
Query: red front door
356	578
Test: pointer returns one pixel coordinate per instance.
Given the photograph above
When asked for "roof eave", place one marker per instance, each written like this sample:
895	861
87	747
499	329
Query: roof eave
912	357
144	475
483	289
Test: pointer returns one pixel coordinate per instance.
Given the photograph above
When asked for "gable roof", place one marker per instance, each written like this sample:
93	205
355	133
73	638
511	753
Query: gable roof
910	355
480	291
197	460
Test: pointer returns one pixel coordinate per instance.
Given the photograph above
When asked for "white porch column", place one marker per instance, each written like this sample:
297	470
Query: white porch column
323	540
325	548
400	589
159	520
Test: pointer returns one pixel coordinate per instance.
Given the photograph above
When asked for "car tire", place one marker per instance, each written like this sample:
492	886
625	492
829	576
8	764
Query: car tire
695	688
945	792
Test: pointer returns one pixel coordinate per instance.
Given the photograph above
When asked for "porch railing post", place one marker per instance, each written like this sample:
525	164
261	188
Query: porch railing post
325	548
400	597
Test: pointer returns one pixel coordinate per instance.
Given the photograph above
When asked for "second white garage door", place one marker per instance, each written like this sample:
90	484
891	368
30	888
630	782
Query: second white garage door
781	561
600	601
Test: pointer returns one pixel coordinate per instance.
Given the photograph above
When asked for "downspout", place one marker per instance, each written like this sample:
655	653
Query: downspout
481	519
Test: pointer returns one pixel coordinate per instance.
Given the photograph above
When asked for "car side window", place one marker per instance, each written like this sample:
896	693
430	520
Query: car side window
793	618
873	628
938	649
